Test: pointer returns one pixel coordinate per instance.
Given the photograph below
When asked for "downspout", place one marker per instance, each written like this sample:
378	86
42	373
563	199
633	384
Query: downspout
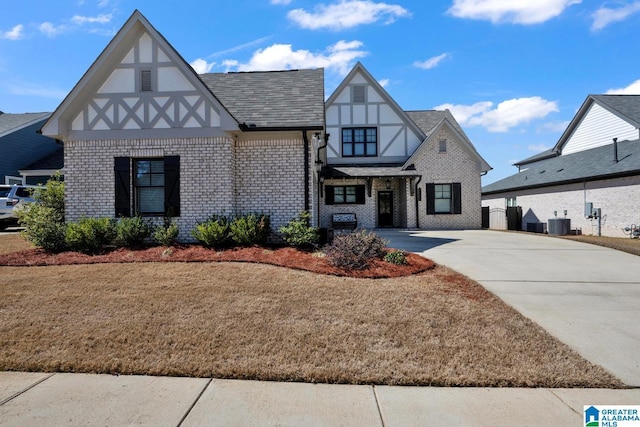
417	202
306	170
320	184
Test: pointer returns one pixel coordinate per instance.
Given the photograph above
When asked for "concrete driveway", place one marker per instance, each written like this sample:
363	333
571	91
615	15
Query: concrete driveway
585	295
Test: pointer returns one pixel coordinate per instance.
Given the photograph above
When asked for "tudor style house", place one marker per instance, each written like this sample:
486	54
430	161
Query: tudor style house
594	165
145	135
396	168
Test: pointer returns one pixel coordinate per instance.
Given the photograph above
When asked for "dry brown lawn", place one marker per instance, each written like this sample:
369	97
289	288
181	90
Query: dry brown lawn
624	244
10	243
254	321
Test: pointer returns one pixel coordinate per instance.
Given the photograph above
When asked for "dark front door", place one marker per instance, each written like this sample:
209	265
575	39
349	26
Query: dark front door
385	209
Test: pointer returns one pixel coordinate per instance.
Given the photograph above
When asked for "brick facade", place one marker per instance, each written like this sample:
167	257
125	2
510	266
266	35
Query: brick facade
217	176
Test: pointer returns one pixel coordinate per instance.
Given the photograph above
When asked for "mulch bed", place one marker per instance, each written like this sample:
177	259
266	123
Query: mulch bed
284	257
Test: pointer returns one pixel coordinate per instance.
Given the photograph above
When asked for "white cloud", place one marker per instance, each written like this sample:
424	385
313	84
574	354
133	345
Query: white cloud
384	82
201	66
338	57
347	14
431	62
14	34
524	12
506	115
100	19
605	16
632	89
50	30
281	2
538	148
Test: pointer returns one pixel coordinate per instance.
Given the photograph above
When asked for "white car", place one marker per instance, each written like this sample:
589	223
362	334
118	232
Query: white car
12	198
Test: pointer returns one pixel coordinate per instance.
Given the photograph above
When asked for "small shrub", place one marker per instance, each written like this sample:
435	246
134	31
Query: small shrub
213	233
44	219
355	251
131	232
251	229
396	257
90	235
299	233
167	234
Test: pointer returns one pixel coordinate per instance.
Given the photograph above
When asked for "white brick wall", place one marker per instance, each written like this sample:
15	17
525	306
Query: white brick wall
456	165
618	198
217	176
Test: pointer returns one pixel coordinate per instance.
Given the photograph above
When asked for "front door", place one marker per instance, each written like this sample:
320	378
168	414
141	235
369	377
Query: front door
385	209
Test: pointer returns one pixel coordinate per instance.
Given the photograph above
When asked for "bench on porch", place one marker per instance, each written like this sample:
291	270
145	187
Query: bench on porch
344	221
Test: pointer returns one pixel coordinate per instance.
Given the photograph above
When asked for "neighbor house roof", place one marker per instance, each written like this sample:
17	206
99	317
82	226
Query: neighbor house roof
52	161
10	123
627	107
588	165
271	99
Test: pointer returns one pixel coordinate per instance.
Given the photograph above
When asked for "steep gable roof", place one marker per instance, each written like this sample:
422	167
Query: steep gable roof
594	164
10	123
428	120
449	121
272	99
118	50
359	69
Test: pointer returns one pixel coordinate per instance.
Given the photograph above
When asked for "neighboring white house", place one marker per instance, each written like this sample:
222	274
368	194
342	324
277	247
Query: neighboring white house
396	168
594	165
145	135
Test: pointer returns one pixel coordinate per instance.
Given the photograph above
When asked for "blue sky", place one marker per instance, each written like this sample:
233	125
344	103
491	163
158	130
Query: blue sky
512	72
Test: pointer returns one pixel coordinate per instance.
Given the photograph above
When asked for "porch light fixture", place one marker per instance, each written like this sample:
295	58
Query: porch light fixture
387	184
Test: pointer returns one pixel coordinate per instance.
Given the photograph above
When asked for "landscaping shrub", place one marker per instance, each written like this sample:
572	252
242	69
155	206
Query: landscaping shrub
396	257
214	232
90	235
299	233
251	229
132	232
167	234
356	250
44	219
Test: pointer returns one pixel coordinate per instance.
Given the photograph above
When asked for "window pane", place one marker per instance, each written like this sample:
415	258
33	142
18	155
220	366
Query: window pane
371	135
351	195
359	149
371	149
358	135
157	166
346	135
157	180
347	149
150	200
442	205
143	166
143	180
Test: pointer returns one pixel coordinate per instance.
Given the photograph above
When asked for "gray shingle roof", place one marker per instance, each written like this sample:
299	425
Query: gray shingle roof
368	171
53	161
293	98
596	163
626	105
427	120
10	122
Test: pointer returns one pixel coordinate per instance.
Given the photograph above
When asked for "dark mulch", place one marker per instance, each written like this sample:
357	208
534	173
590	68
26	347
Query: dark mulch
284	257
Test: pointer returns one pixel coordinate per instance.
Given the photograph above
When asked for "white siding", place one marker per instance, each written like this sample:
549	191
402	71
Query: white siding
598	128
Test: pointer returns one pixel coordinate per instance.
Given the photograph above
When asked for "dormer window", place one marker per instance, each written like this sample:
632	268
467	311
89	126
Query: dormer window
145	81
358	94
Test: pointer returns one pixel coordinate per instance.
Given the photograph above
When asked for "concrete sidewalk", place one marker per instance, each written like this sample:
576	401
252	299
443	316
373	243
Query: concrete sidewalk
35	399
585	295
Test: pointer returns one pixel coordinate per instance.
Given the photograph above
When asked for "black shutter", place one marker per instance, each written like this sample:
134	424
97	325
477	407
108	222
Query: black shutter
122	167
172	186
431	199
456	195
360	195
328	194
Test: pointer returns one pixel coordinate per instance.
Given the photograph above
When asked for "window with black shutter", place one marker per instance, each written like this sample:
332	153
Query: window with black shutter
345	195
444	198
147	186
